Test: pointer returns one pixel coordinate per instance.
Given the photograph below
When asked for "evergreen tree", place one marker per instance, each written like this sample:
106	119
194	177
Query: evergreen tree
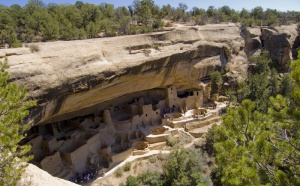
242	153
185	167
13	109
286	140
253	148
216	82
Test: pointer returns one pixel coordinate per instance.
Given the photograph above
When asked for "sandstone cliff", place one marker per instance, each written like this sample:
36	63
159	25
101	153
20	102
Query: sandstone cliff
72	78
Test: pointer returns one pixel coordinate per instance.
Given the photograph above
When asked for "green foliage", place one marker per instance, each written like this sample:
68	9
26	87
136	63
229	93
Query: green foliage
208	146
150	179
34	48
131	181
287	85
216	82
231	96
13	109
127	166
262	83
172	141
184	167
144	29
143	10
158	24
152	159
243	131
168	24
37	22
119	172
264	148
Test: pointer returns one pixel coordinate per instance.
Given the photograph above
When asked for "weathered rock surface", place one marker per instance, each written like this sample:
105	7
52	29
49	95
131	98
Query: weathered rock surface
71	78
34	176
252	40
279	41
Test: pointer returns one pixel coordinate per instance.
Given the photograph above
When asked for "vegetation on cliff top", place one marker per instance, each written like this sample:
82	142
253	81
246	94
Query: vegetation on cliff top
39	22
13	109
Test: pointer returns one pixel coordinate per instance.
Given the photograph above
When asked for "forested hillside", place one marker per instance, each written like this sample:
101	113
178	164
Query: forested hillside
258	141
37	21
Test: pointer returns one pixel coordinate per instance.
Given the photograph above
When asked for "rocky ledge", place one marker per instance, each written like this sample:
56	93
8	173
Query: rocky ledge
72	78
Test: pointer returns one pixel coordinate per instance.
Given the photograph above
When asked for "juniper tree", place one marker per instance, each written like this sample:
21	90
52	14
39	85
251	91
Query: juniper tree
13	109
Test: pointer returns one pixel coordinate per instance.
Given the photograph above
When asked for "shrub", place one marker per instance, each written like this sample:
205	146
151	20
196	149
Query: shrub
133	29
171	141
198	144
16	44
168	24
150	178
132	181
161	156
110	32
145	29
34	48
208	146
119	172
158	23
127	166
185	167
152	159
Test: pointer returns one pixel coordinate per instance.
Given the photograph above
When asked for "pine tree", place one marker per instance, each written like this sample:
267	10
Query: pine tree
185	167
253	148
242	153
13	109
286	140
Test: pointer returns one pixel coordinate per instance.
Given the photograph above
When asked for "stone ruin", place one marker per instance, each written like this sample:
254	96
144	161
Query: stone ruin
109	136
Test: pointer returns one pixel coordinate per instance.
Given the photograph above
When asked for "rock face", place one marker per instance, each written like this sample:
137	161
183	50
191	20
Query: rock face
72	78
279	41
35	176
252	40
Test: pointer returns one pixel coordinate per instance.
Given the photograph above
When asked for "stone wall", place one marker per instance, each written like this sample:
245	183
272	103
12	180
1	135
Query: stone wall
117	158
52	164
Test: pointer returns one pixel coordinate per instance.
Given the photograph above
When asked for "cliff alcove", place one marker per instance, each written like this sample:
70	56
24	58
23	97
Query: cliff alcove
102	100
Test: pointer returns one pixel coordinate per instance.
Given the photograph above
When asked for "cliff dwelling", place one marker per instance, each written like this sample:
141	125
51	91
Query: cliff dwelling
124	128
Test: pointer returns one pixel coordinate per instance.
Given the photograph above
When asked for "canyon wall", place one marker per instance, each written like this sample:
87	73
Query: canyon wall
73	78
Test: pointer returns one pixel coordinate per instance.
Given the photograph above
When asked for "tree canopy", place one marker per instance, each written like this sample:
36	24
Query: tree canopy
256	146
183	167
37	21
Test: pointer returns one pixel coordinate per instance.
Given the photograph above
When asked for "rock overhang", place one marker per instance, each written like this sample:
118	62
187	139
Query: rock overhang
69	77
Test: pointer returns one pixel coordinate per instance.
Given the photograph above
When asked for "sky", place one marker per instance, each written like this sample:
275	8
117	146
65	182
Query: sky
281	5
